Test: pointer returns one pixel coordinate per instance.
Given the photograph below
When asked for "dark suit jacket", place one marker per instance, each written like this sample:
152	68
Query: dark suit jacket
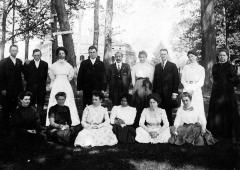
91	77
166	82
11	77
119	79
36	77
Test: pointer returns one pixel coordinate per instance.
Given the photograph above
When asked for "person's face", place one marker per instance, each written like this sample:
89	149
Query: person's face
118	57
25	101
192	58
37	55
61	55
186	101
124	102
164	55
13	51
142	58
96	100
92	53
222	57
61	100
153	104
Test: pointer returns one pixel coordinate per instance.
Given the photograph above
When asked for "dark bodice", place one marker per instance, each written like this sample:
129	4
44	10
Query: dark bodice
61	114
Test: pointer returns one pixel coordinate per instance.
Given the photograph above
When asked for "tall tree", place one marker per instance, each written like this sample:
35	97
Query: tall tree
65	26
5	8
54	29
108	33
96	23
208	38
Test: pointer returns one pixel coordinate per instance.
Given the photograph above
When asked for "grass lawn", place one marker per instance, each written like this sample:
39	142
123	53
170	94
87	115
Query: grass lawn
126	156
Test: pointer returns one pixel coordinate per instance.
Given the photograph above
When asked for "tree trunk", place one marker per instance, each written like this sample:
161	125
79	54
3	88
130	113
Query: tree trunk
13	23
54	29
4	24
65	26
208	38
96	23
108	33
27	34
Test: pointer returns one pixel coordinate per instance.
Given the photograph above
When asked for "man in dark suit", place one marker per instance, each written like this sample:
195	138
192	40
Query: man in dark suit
11	84
35	74
91	76
119	78
166	82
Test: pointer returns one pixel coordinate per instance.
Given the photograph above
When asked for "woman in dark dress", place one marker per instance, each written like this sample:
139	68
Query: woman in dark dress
26	128
223	112
60	129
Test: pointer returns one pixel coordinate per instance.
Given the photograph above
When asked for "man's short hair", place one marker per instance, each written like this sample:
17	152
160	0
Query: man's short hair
92	47
37	50
164	49
13	45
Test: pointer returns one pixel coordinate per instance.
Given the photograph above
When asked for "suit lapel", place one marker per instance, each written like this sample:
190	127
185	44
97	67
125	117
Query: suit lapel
11	62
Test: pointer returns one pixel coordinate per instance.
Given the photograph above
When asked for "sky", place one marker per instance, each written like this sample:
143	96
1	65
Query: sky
142	24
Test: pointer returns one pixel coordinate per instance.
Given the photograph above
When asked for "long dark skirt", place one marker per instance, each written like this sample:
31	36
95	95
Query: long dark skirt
124	134
65	137
141	90
191	134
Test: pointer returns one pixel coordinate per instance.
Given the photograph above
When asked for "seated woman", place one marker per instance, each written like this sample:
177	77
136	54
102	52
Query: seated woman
190	126
122	117
96	123
60	129
26	127
156	129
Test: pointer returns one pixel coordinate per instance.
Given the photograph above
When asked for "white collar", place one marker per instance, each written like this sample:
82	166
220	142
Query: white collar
119	64
93	60
36	61
13	59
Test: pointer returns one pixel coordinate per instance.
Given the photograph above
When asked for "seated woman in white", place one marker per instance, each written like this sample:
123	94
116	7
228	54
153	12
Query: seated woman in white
156	129
190	126
97	130
122	118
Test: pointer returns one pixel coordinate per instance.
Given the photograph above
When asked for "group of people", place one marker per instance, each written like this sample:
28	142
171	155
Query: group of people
144	116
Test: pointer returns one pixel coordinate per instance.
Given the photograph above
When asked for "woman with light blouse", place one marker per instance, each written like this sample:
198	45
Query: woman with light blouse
153	124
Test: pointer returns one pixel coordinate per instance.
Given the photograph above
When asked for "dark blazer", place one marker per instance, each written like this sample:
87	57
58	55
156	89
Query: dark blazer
11	77
91	77
119	80
166	81
36	77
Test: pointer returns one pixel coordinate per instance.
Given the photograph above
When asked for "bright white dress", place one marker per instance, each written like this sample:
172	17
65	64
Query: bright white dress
60	73
104	135
193	76
127	114
153	120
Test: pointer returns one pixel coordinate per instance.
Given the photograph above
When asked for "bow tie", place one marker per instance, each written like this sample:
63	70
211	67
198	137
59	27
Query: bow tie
188	109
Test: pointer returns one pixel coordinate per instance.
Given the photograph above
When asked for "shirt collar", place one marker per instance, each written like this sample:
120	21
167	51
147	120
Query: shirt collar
93	60
119	64
13	59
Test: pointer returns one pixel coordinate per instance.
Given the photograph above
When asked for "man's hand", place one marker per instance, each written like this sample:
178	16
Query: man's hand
27	61
174	96
4	92
32	131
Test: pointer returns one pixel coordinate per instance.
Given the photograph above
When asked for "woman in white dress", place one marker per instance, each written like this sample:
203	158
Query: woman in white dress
60	73
142	77
193	75
156	129
97	130
190	126
122	118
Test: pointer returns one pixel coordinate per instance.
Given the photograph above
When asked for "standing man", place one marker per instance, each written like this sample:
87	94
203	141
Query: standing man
119	79
35	74
165	83
91	76
11	84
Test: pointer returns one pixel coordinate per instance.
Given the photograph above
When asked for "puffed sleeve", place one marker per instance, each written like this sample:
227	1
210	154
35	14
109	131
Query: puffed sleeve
183	79
70	72
113	114
52	73
143	117
133	74
202	120
151	73
84	118
178	119
164	118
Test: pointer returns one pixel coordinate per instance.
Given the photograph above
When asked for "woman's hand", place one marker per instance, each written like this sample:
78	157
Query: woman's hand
153	134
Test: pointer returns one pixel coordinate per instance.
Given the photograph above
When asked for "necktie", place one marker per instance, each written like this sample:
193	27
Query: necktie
162	65
118	67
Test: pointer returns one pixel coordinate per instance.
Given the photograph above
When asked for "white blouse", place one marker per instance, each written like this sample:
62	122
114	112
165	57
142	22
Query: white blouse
144	70
154	118
193	76
127	114
61	69
188	117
